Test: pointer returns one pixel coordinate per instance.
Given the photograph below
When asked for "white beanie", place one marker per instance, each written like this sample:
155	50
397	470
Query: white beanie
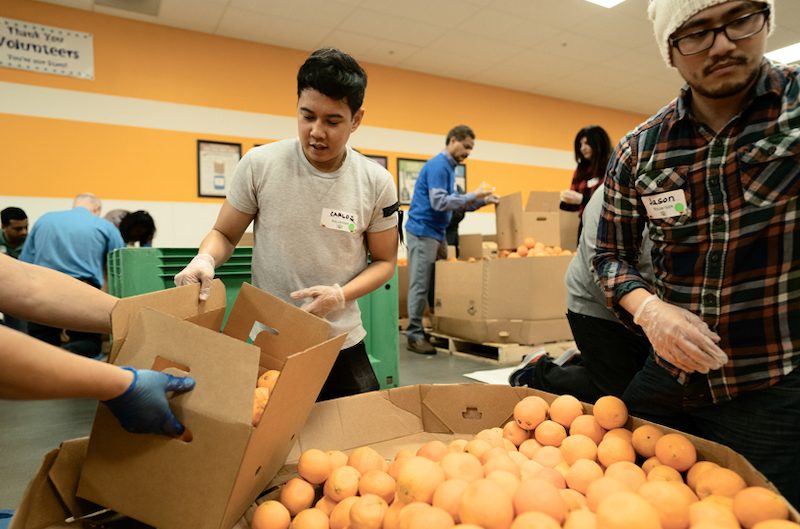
669	15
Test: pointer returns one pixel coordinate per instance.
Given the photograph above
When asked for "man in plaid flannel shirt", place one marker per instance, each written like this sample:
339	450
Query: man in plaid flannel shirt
715	174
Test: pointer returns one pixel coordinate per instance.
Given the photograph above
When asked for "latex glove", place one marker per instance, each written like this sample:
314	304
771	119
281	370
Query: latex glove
483	191
199	270
679	336
143	408
324	299
568	196
492	199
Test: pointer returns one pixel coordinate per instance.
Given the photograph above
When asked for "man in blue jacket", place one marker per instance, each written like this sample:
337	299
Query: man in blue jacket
434	201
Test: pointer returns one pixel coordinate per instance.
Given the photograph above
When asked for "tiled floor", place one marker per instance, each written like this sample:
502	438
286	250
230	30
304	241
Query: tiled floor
29	429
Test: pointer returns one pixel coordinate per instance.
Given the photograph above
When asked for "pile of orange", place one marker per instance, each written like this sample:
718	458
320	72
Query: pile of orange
553	466
264	387
533	248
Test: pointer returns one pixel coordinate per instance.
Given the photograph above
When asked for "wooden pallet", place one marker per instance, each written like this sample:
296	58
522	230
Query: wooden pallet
495	353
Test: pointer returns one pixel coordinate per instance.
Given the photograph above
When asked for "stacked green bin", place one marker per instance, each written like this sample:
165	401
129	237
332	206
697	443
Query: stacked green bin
133	271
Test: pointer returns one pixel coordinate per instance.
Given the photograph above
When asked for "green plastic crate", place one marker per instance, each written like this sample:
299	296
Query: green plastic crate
134	271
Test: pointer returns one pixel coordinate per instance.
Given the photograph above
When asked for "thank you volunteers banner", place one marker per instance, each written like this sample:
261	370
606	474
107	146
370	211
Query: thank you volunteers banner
46	49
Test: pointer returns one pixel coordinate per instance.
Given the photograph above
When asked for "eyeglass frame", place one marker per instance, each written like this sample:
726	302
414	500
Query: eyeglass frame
722	29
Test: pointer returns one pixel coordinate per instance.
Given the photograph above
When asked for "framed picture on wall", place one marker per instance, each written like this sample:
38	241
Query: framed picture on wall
383	161
461	179
407	173
216	163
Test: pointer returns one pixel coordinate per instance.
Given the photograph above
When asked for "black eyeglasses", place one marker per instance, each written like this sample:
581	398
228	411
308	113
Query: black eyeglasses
737	29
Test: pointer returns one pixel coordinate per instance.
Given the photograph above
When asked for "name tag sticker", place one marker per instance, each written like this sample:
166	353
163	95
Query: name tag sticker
339	220
665	205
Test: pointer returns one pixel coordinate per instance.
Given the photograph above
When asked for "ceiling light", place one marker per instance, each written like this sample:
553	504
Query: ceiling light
606	3
786	55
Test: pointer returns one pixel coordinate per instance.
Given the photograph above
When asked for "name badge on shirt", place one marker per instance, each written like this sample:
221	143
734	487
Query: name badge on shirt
665	205
339	220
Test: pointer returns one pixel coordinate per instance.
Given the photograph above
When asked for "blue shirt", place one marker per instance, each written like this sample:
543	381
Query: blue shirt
435	199
74	242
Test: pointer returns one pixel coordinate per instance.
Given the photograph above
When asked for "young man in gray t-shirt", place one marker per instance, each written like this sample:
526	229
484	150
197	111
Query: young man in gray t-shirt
319	208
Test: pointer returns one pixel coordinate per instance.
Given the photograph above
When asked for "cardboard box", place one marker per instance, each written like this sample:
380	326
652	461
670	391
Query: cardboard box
409	416
541	219
504	331
476	245
207	483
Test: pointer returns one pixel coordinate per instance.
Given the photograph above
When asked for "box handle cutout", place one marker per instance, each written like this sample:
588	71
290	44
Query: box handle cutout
258	328
541	218
472	414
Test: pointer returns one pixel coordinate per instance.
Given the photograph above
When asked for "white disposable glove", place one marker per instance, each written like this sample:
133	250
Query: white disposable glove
199	270
568	196
483	191
492	199
323	299
679	336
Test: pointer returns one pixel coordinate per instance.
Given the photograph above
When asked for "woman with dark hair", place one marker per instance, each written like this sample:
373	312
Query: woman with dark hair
138	228
592	150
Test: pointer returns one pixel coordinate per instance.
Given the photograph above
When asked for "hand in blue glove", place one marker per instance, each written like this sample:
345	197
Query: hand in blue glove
143	407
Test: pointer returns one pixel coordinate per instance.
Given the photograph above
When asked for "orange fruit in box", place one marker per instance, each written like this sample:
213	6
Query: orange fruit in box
529	447
268	379
721	481
428	519
540	496
337	458
705	511
564	409
418	479
515	433
310	519
484	503
407	512
379	483
776	524
553	475
627	510
340	515
644	439
578	446
529	242
501	462
628	473
260	400
757	504
434	450
677	451
297	494
672	504
550	433
365	458
326	505
461	465
492	452
457	445
522	251
696	470
314	466
367	512
588	426
342	483
508	481
600	489
271	515
534	520
582	473
581	519
573	499
664	473
448	494
610	412
650	463
613	449
548	456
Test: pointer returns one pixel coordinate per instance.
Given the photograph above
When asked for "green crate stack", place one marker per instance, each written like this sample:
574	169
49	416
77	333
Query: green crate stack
133	271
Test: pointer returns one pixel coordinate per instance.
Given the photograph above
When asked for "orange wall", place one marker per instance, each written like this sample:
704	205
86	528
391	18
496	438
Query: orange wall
52	157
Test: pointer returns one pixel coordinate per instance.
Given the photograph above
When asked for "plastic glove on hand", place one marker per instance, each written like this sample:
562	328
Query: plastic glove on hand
492	199
199	270
143	407
679	336
324	299
568	196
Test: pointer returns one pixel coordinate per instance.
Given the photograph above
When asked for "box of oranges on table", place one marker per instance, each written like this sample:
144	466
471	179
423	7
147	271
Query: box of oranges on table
238	434
500	457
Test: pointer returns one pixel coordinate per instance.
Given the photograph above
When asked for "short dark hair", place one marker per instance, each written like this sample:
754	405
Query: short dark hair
598	140
336	74
460	133
137	226
12	213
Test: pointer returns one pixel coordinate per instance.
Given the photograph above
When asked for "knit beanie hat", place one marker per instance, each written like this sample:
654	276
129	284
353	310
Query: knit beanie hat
669	15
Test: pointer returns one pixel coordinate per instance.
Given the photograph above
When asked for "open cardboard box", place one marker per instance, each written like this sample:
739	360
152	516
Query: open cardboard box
541	219
503	300
212	480
409	416
388	420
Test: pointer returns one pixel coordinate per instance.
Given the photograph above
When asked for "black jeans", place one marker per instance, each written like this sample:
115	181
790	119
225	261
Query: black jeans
351	374
87	344
611	355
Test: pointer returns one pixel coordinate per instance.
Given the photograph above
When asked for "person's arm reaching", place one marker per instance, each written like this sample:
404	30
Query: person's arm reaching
215	249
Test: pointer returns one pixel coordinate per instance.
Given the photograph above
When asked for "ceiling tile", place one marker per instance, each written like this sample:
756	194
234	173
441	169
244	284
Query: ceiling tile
194	15
329	13
369	49
454	65
444	13
506	27
278	31
394	28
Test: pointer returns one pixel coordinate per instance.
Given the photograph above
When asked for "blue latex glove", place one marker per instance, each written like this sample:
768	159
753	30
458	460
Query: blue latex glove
144	408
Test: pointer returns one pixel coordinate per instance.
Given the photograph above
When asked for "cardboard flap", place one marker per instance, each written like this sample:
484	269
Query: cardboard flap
509	219
41	506
65	472
271	441
543	201
291	329
181	302
225	369
466	408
